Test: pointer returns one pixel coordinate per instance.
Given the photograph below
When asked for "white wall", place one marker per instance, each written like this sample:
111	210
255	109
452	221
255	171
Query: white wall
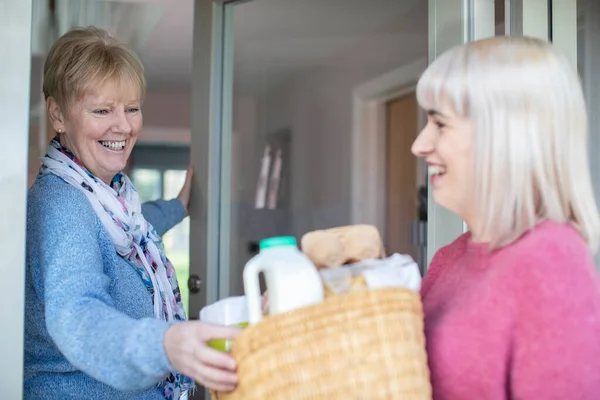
15	23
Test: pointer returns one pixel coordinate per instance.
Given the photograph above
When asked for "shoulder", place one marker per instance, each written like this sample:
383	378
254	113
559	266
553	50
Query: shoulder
53	201
443	258
50	189
551	260
551	243
454	250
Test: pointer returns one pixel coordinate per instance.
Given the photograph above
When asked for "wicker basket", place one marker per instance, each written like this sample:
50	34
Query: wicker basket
366	345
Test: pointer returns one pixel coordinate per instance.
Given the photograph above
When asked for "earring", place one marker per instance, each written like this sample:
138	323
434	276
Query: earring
59	130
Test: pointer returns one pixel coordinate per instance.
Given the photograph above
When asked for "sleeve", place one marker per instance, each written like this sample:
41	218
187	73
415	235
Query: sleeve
163	214
109	346
556	352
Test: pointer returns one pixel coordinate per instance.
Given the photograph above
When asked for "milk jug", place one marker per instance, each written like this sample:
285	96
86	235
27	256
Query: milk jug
292	279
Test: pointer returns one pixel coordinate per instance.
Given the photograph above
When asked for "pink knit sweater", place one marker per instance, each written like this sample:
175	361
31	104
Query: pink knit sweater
522	322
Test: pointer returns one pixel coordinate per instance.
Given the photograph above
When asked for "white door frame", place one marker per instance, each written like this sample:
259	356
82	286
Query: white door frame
589	29
15	71
369	137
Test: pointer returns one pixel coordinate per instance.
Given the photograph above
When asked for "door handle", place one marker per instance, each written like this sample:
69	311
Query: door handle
194	284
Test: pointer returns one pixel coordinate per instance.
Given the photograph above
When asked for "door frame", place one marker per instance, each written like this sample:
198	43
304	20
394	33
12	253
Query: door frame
15	23
211	61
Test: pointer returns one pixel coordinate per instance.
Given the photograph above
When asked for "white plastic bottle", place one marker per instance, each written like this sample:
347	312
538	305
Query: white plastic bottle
292	279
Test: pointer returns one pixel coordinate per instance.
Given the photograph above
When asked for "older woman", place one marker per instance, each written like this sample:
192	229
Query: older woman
104	318
512	308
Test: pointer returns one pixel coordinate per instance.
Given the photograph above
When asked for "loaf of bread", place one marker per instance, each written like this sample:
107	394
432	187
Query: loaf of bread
344	245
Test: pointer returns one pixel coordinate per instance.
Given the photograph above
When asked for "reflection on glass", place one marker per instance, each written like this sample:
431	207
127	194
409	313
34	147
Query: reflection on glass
274	181
177	239
261	186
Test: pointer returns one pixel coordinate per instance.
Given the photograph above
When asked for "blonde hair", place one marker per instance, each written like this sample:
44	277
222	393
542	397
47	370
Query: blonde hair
85	57
530	134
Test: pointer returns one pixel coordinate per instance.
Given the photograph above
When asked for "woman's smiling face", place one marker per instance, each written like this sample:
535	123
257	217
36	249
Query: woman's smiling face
446	143
101	127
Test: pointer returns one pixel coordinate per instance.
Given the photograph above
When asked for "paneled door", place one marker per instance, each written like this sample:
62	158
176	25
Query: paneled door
402	119
273	127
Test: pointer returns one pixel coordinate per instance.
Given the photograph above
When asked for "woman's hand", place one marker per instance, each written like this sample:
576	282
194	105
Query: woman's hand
184	194
185	344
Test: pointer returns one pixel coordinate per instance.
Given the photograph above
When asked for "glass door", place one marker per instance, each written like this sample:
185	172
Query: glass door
287	127
301	89
289	148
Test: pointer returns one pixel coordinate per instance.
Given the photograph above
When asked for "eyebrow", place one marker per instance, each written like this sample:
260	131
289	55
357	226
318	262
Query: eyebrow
436	113
110	103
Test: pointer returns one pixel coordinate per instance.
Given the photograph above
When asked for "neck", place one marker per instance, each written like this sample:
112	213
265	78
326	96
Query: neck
478	237
475	227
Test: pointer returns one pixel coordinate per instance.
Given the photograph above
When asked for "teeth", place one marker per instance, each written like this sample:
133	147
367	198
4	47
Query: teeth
120	145
436	170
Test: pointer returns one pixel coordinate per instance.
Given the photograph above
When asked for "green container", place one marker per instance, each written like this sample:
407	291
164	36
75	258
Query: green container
224	345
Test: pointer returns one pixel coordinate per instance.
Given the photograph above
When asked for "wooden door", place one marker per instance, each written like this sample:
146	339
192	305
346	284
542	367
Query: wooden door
401	171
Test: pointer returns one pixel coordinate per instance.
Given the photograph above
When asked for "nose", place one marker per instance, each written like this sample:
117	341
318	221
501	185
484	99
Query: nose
121	123
424	144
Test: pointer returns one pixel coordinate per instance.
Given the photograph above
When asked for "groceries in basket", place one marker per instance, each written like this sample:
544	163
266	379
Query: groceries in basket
343	245
365	344
394	271
353	258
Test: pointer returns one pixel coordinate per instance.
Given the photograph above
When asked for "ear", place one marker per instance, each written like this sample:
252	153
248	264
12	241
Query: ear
55	115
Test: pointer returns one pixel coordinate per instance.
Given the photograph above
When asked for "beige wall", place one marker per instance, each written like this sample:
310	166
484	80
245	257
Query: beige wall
316	106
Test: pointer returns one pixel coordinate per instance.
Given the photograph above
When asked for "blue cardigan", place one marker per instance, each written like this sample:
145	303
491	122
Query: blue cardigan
89	326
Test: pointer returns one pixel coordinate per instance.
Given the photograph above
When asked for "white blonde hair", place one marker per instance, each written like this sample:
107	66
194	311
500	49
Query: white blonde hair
528	112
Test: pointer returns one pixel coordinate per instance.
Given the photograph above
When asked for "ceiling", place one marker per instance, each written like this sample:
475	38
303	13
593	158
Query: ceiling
287	36
167	50
272	38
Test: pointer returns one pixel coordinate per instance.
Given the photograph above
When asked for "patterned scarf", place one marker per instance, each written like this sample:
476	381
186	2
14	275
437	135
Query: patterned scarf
119	208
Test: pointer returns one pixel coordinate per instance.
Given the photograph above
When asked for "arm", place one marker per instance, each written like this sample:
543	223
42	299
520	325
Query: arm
80	315
556	344
163	214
